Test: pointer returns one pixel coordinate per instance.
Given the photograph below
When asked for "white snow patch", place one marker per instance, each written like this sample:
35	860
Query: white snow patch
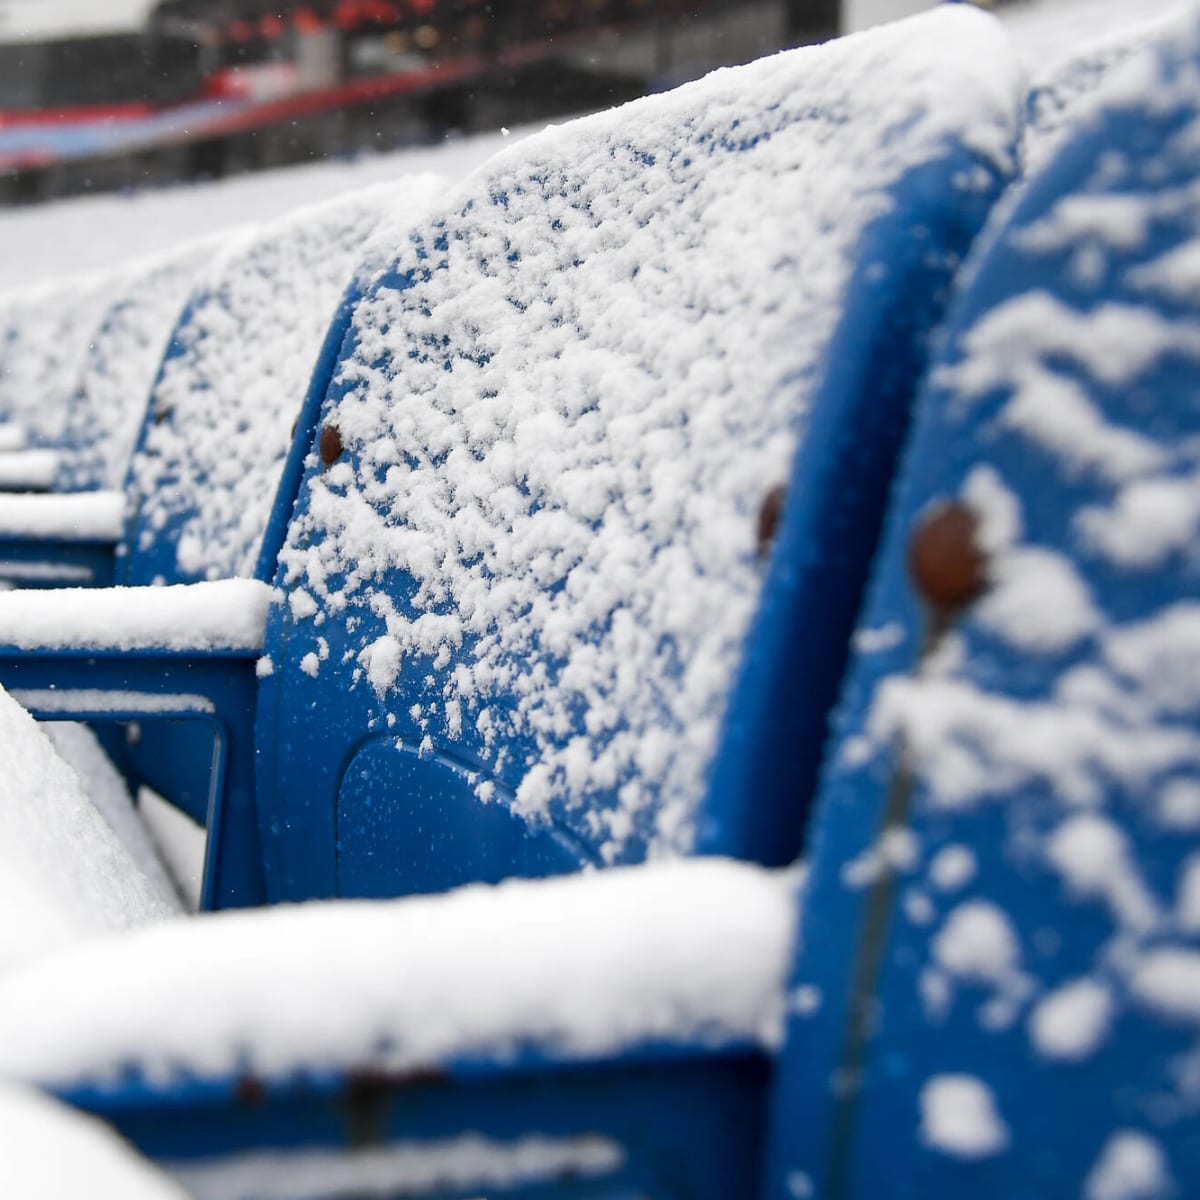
1167	981
1131	1166
88	516
64	873
581	966
1070	1023
229	614
404	1168
952	868
959	1118
49	1152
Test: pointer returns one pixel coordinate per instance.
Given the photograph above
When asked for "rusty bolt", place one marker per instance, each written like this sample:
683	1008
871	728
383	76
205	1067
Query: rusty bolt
769	515
945	562
330	445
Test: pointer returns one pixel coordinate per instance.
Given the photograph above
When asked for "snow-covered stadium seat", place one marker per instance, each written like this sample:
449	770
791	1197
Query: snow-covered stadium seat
44	335
997	986
670	329
573	567
82	442
606	1032
227	401
198	443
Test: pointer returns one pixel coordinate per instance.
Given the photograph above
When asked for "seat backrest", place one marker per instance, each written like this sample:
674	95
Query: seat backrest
106	408
228	395
575	558
44	335
996	988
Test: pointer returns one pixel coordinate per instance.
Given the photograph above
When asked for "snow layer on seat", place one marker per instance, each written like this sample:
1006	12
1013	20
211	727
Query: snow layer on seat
582	967
28	470
94	516
224	615
1017	796
1063	93
64	875
565	403
212	450
50	1152
119	367
44	335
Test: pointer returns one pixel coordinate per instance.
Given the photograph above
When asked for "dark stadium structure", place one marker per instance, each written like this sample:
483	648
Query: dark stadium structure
207	88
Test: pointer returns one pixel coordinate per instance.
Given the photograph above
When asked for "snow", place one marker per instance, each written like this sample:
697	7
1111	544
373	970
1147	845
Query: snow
569	480
28	470
977	943
952	868
959	1118
231	388
44	334
1167	982
49	1152
583	966
64	874
1131	1166
91	516
227	615
1071	1022
122	360
467	1163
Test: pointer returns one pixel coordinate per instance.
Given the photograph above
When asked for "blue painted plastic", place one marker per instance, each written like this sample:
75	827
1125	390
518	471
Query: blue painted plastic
321	836
993	1008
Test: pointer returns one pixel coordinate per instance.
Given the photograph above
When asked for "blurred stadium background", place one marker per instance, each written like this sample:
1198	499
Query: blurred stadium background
98	95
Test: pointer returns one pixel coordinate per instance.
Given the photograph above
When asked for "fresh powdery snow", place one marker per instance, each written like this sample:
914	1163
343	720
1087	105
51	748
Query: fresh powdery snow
64	874
237	371
105	412
228	614
582	966
51	1152
570	483
44	335
87	516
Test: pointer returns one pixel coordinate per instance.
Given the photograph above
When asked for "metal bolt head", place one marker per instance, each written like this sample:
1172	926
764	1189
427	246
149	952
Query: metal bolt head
770	513
330	445
946	564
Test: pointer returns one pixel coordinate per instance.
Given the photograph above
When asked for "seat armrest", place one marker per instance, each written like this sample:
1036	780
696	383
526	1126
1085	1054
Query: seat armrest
75	516
227	617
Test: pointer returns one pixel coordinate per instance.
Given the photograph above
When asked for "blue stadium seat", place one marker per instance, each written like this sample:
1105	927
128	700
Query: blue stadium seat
995	991
82	444
679	341
575	560
211	461
44	335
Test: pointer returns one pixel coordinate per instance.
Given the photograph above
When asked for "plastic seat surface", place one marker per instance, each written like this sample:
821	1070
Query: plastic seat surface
537	608
996	992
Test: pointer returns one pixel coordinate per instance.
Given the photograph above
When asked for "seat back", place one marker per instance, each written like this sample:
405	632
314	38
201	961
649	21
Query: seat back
106	409
575	557
994	994
228	396
44	335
